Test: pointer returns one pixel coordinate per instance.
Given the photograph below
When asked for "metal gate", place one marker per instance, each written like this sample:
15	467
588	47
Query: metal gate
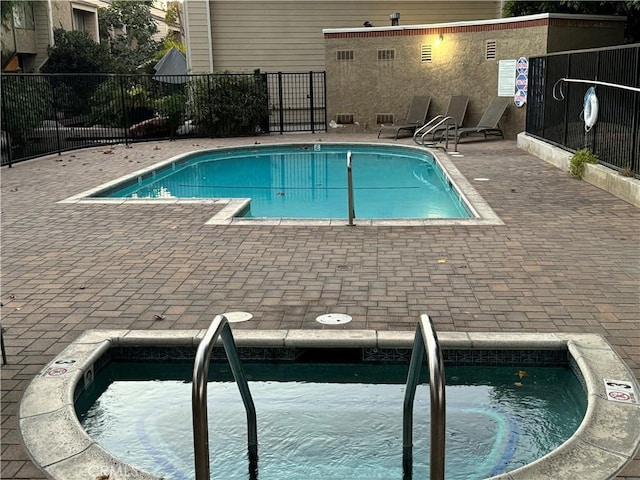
297	102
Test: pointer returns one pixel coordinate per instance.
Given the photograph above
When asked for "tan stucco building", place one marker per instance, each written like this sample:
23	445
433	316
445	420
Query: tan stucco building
373	73
286	35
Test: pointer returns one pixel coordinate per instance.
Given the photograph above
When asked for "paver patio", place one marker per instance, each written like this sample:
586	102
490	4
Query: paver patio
566	260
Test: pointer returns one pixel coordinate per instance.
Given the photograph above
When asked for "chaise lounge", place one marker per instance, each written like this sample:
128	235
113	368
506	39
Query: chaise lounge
416	117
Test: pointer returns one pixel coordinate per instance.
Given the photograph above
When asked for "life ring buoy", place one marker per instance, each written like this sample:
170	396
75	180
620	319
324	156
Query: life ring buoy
590	109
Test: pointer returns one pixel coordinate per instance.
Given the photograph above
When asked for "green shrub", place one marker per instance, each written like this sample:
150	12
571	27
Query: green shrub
576	169
172	108
228	105
27	101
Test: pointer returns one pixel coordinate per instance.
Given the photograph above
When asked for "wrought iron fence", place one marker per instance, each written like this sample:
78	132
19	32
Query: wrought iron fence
43	114
555	107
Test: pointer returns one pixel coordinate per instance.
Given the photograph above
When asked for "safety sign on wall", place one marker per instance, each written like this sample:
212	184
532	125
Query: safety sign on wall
522	81
620	391
506	75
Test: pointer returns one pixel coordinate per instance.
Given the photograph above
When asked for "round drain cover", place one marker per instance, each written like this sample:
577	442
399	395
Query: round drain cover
333	319
237	317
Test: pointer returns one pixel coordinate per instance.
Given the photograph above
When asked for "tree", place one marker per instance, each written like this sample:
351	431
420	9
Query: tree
127	27
76	52
6	11
628	8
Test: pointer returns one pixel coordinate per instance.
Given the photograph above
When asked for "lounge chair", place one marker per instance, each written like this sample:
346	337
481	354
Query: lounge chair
416	117
488	124
456	110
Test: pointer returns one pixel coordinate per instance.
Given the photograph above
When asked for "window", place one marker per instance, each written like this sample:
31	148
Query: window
386	54
425	53
344	55
490	50
23	16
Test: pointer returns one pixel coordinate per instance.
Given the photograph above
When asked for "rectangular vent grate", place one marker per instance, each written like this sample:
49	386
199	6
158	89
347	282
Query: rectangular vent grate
384	118
386	54
490	50
344	118
425	53
344	55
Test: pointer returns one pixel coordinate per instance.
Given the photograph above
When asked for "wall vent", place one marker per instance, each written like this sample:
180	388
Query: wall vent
344	118
386	54
344	55
425	53
490	50
384	118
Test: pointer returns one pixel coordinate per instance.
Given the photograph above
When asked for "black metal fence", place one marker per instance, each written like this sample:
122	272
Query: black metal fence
555	108
43	114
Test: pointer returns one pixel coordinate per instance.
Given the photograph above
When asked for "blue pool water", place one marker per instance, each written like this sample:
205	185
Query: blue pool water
331	422
309	181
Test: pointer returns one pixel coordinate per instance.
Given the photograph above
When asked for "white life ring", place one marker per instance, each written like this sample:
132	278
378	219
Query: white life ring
590	109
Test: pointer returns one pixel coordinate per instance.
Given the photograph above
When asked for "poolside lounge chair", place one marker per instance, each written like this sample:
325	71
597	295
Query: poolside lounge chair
488	124
416	117
456	110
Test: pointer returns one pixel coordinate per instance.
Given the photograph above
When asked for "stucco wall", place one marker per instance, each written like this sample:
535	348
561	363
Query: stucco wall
564	36
366	86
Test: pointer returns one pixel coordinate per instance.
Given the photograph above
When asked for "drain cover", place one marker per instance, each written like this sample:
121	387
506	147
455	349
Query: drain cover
333	319
237	317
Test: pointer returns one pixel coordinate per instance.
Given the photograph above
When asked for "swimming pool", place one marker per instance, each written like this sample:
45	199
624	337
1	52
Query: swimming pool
307	181
331	421
605	441
320	196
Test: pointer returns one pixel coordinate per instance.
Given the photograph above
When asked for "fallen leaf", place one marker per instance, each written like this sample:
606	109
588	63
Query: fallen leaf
518	384
158	317
442	260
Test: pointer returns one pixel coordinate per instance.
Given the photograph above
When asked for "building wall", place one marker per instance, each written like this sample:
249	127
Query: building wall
198	36
287	35
44	32
566	34
367	86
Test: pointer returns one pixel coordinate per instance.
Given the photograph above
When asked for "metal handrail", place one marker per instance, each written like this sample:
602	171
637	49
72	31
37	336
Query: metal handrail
219	328
426	126
426	341
430	128
352	212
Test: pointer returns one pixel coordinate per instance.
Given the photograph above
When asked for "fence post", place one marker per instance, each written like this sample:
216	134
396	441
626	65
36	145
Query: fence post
55	112
265	127
565	130
5	133
281	104
312	111
635	127
209	103
124	112
324	104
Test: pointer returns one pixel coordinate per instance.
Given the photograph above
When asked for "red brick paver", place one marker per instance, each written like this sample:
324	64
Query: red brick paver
566	260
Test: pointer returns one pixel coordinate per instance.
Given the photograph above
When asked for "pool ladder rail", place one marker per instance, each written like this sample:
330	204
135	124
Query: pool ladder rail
439	122
219	328
425	341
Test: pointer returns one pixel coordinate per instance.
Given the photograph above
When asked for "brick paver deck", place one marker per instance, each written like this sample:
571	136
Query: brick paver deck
566	260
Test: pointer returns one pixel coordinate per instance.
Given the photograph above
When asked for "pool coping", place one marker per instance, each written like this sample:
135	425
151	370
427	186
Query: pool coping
606	440
482	213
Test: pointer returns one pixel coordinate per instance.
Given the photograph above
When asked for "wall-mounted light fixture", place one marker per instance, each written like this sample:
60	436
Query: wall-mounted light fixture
439	39
395	19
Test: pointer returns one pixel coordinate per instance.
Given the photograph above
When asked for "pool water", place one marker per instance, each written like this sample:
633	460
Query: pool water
331	421
309	181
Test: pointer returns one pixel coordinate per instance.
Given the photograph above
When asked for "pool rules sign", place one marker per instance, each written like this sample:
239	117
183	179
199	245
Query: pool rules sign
620	391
